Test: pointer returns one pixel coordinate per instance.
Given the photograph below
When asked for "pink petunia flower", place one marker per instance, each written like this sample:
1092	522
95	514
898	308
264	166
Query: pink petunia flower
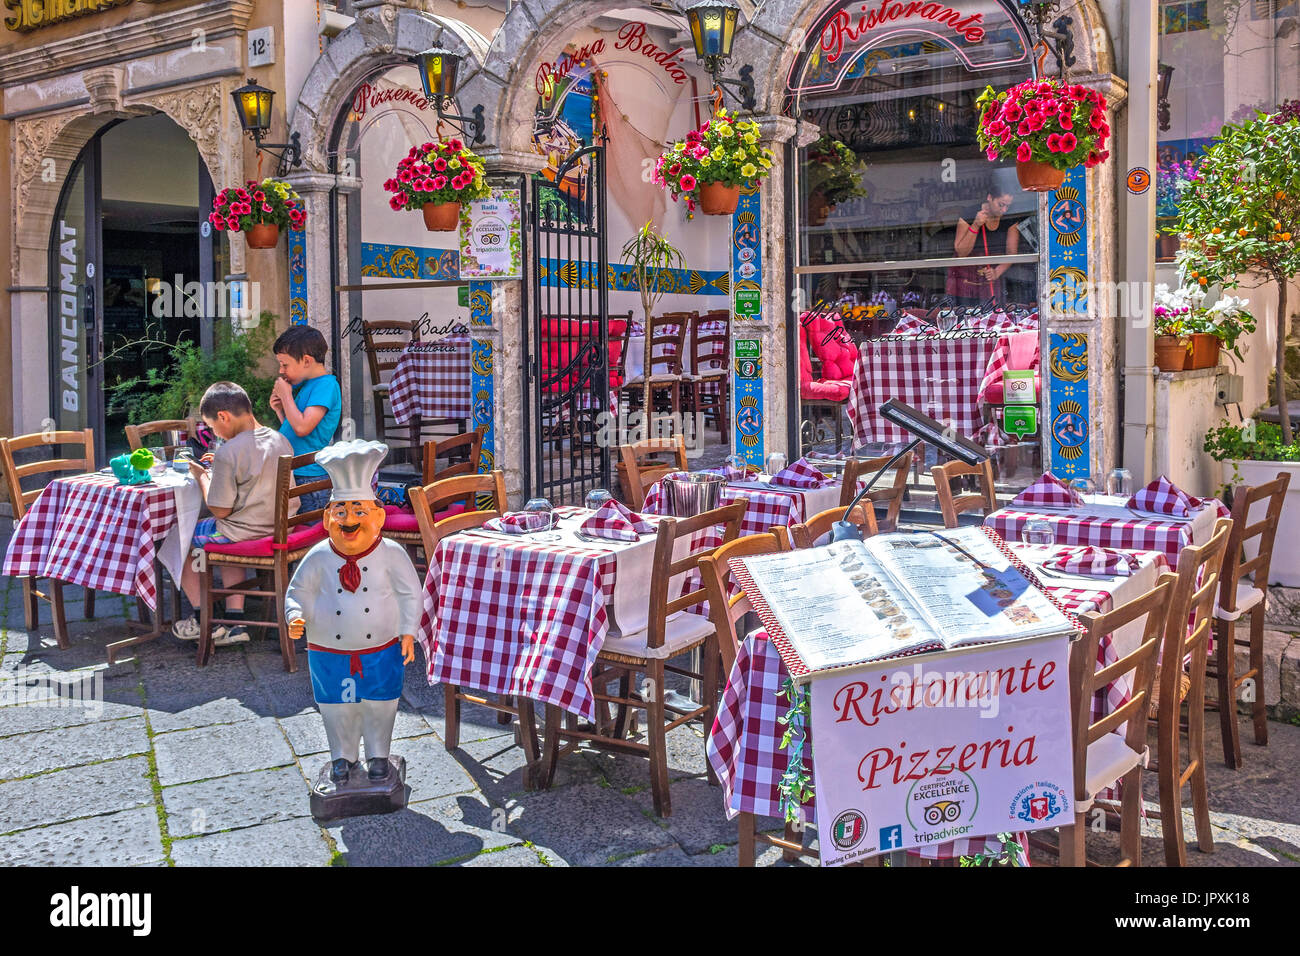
266	207
440	164
1068	142
1054	142
439	182
687	183
1023	153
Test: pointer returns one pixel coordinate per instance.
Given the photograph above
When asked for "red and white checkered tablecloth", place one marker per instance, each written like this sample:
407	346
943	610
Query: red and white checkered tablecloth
91	531
939	376
744	746
524	618
1106	530
767	507
432	380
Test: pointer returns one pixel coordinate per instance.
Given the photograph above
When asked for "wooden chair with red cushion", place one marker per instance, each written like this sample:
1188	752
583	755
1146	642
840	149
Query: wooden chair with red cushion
269	556
819	393
460	455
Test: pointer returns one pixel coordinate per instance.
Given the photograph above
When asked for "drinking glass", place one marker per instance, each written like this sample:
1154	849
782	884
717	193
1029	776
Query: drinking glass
776	462
1038	532
1120	482
734	468
597	497
1084	486
543	506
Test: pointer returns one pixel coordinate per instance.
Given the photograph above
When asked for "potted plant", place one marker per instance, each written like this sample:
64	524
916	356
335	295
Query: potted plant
1256	452
650	255
713	162
1048	126
834	176
1172	312
436	178
1246	210
259	210
1172	178
1219	327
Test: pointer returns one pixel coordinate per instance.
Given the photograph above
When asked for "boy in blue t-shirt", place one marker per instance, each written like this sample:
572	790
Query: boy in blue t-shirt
308	400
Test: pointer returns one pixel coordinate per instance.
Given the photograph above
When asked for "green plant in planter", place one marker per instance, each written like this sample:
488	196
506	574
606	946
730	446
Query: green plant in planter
1244	216
835	171
1183	312
1255	441
651	256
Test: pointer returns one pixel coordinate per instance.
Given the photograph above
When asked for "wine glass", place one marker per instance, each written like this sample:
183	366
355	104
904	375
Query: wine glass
1120	483
595	498
776	462
543	506
735	468
1038	532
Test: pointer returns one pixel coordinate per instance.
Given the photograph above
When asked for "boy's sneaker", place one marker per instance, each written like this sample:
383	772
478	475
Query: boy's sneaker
224	636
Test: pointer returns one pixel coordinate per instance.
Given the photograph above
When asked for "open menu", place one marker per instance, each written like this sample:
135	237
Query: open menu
855	602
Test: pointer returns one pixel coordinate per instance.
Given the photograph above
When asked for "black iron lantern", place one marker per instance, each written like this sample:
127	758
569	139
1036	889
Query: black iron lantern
713	29
253	104
438	71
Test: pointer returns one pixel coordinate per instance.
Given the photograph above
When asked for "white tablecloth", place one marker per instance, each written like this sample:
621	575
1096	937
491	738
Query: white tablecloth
175	548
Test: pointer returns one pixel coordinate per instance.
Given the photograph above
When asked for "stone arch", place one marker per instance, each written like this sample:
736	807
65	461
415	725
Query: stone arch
204	112
384	35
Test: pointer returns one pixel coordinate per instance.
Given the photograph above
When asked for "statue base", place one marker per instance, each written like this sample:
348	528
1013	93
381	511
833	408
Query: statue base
359	795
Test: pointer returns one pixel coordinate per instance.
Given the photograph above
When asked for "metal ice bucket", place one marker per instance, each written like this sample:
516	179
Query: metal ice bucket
691	495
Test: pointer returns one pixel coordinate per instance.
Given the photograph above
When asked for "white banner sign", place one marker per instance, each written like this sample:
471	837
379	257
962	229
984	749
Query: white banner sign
489	237
941	747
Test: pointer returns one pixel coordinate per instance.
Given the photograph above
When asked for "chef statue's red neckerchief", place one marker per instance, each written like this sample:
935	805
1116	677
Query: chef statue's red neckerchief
349	571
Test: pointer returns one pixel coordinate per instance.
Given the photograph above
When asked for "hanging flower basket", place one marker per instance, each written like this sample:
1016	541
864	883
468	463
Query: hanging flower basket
259	210
718	199
719	158
1047	126
441	216
437	178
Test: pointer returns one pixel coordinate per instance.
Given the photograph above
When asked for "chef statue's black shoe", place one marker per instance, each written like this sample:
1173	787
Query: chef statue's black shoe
378	768
340	769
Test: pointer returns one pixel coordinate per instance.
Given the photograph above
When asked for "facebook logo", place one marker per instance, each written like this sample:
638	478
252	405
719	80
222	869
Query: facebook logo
891	838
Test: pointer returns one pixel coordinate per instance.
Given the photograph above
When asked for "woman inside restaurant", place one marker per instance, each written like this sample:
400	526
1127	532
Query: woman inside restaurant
983	233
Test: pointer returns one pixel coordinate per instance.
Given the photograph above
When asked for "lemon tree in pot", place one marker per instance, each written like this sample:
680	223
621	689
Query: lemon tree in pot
436	178
709	167
259	210
1047	126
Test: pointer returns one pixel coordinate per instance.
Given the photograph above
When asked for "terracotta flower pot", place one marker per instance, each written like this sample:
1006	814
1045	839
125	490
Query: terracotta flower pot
1205	351
1167	248
717	199
441	216
1171	353
1038	177
262	236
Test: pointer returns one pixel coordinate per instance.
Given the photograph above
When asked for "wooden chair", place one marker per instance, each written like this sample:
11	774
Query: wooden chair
461	452
647	652
1238	596
136	434
644	462
426	502
22	500
710	371
272	556
952	505
1195	591
1102	755
667	335
891	496
807	535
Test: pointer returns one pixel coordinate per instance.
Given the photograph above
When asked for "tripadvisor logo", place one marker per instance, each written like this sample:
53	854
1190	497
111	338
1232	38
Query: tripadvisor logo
938	805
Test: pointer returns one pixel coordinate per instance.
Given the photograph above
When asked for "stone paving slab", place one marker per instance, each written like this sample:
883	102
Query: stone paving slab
427	833
24	718
27	754
188	755
128	838
585	825
238	800
287	843
79	792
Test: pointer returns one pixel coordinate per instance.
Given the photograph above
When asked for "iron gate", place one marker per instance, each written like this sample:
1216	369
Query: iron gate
567	346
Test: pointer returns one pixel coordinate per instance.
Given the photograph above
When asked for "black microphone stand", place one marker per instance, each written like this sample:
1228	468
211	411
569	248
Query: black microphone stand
844	529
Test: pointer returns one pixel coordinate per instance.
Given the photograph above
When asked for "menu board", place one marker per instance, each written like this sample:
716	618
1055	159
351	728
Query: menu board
854	602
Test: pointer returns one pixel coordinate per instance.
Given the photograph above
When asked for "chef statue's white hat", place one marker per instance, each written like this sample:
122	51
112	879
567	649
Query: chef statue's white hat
351	466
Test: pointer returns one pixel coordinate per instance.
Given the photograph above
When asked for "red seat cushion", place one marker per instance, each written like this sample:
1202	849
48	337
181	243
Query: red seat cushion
824	391
303	536
403	519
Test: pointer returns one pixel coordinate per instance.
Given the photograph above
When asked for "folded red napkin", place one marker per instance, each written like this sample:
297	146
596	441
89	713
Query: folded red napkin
615	521
800	474
1048	491
1163	497
736	473
1091	560
519	522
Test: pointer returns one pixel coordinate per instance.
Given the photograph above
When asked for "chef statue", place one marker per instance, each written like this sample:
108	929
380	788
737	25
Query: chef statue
358	599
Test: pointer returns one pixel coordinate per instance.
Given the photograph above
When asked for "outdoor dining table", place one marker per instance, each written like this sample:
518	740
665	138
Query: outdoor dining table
1105	521
91	531
940	375
744	747
769	504
524	616
432	380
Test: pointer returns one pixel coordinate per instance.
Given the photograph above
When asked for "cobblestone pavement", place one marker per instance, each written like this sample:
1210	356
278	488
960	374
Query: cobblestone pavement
177	765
